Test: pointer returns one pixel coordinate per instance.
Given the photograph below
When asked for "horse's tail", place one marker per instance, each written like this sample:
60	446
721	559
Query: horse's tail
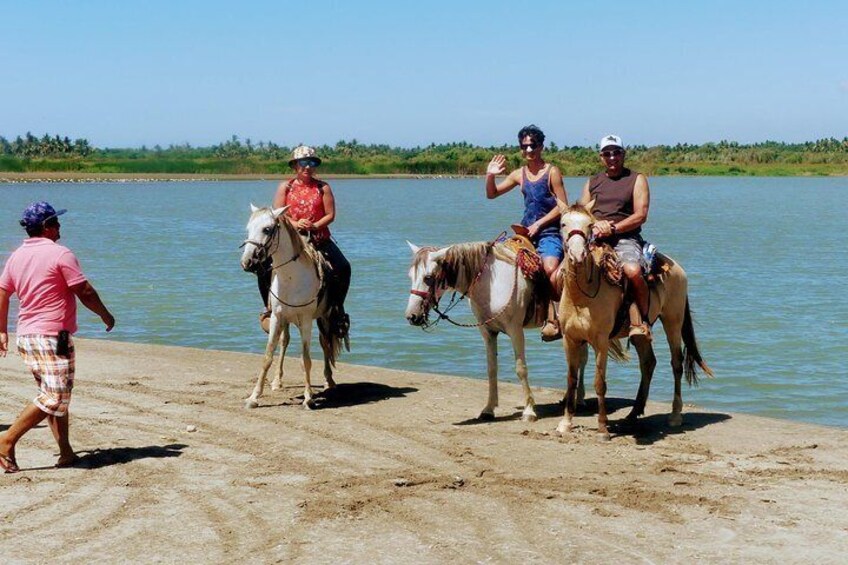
330	342
617	351
691	354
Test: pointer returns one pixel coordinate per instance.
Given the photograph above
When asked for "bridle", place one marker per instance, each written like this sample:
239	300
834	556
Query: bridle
436	282
265	248
588	241
267	251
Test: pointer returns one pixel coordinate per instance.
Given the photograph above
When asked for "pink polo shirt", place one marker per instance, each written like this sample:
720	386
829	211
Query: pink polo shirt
40	272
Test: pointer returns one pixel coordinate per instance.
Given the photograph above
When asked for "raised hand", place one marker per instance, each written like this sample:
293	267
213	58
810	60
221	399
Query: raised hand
497	166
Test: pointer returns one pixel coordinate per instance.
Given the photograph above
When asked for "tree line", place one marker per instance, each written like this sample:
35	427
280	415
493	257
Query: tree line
235	156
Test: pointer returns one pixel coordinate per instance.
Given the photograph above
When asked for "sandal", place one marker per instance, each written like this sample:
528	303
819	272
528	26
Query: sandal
551	331
9	464
642	330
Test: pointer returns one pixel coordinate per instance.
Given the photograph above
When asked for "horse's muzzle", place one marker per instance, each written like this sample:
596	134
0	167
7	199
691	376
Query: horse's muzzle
416	319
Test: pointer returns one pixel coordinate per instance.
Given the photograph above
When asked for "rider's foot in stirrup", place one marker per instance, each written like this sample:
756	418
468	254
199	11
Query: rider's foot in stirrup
342	324
551	331
643	330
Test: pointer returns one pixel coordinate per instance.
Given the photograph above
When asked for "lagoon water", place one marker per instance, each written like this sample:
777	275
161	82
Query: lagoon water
766	258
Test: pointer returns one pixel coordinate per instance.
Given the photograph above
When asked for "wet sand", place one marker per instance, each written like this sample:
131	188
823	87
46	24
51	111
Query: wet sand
393	467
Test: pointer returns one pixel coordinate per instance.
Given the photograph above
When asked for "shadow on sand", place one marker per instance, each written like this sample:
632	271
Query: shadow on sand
348	394
97	458
646	430
554	410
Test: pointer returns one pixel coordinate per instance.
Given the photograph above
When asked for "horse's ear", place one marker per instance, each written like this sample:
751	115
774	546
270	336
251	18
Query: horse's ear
590	205
253	208
412	246
440	254
279	212
561	205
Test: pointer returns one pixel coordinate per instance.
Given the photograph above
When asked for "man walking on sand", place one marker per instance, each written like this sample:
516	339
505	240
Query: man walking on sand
47	278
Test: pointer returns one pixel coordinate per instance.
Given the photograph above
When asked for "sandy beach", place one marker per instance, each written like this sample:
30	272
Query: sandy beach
392	467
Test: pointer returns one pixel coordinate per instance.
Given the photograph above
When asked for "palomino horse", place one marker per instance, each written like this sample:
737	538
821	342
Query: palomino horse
588	311
297	296
499	296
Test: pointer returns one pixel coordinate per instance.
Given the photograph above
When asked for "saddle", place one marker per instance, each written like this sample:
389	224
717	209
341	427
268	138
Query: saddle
607	259
530	264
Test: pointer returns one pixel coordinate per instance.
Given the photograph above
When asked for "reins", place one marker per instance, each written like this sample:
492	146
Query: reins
441	280
274	239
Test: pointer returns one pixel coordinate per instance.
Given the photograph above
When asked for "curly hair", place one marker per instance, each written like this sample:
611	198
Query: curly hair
534	132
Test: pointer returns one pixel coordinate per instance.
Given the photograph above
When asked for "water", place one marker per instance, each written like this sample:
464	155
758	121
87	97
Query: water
766	259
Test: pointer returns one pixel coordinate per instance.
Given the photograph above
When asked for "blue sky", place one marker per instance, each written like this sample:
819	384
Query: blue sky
124	74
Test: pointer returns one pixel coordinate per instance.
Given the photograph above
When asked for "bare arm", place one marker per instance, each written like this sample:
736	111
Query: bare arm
280	196
641	203
329	209
497	166
4	322
91	300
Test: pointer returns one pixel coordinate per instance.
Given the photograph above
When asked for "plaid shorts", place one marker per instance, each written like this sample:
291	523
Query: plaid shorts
54	374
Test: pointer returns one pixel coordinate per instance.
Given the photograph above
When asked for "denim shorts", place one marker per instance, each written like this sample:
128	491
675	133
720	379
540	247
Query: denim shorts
550	245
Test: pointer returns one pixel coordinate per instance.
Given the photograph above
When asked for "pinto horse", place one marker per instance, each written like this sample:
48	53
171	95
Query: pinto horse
588	311
297	296
499	296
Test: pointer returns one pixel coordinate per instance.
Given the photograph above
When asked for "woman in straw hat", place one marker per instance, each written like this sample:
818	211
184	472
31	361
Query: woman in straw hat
311	208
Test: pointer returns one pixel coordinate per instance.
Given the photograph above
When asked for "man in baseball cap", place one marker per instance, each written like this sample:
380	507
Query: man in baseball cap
47	279
622	199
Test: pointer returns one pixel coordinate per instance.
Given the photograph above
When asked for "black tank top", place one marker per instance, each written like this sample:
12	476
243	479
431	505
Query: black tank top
614	198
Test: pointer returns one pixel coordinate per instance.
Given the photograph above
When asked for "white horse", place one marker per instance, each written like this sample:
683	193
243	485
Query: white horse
499	296
297	296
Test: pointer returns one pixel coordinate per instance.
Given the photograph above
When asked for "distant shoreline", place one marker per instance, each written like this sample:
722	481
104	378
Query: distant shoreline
81	177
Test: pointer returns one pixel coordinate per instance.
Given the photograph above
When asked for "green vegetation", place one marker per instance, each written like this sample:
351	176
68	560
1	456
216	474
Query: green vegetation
60	154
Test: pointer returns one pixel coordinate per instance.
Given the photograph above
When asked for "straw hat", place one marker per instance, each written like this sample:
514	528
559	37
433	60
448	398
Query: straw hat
303	152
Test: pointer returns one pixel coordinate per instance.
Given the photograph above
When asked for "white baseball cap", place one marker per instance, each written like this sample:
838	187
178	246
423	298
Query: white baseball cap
611	139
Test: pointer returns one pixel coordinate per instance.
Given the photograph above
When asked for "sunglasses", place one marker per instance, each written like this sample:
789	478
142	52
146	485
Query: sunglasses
530	146
307	162
612	153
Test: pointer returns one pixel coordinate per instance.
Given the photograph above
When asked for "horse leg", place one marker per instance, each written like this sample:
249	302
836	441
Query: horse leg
273	337
581	374
647	364
490	338
277	383
573	352
601	350
305	327
675	339
529	413
326	345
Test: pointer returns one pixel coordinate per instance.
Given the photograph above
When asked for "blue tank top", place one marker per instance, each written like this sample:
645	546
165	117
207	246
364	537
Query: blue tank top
538	201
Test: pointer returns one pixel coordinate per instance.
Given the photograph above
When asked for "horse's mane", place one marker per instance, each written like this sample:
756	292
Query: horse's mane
465	261
462	260
300	244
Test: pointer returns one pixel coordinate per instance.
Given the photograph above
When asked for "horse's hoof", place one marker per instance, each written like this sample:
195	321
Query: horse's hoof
675	420
250	403
529	418
563	429
486	417
276	386
309	404
329	384
604	436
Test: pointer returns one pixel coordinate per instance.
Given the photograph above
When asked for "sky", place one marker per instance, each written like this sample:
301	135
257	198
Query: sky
128	73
